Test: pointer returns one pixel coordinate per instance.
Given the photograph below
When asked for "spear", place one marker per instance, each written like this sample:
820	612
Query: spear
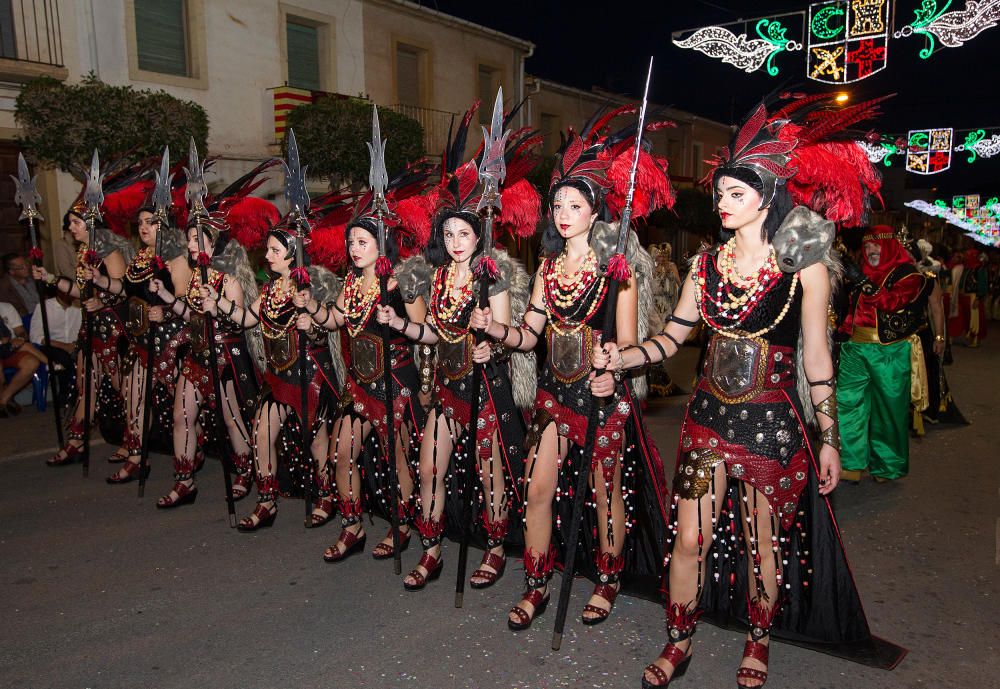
378	180
93	196
195	195
617	272
26	196
162	201
492	172
298	204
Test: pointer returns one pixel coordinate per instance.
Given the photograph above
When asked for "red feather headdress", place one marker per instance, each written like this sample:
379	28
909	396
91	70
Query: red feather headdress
807	144
126	187
603	163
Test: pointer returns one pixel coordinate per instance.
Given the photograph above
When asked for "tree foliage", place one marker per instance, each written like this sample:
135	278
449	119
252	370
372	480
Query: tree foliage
331	134
64	123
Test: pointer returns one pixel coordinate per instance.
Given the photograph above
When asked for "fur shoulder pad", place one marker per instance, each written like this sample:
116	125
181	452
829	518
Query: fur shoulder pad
414	278
171	243
107	242
324	284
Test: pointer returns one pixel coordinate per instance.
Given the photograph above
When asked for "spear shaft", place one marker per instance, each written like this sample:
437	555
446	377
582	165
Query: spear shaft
46	332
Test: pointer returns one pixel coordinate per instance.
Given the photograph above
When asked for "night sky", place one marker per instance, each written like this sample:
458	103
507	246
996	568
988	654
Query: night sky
611	48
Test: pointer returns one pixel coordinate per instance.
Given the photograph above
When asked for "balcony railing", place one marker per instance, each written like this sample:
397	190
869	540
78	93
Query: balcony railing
30	32
435	123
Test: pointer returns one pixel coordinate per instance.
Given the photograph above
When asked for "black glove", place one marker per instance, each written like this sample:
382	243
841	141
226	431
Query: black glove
854	275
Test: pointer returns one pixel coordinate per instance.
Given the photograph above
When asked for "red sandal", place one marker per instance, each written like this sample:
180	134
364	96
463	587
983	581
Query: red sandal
606	591
131	470
538	600
384	551
350	541
265	519
678	659
497	562
432	565
759	652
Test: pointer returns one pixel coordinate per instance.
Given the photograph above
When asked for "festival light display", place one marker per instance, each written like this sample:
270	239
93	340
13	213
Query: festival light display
954	28
980	221
978	146
848	40
845	40
928	151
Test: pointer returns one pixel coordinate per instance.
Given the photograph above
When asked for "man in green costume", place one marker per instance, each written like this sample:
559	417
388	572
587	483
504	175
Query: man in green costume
873	381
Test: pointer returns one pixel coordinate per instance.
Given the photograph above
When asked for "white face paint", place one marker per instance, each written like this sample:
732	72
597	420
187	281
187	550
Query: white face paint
571	212
362	247
459	239
737	202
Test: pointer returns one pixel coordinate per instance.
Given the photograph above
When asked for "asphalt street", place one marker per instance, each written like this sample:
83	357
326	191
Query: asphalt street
99	589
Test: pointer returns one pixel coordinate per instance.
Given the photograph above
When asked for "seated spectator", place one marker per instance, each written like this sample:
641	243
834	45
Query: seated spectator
16	286
17	353
64	327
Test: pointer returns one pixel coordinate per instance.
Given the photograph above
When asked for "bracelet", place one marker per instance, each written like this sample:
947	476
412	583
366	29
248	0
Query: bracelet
828	407
506	333
939	338
51	279
520	338
232	308
621	359
672	339
312	313
659	348
406	324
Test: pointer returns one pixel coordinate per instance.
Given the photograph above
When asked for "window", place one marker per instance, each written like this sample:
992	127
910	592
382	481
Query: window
698	159
487	93
550	133
8	47
409	64
161	36
303	54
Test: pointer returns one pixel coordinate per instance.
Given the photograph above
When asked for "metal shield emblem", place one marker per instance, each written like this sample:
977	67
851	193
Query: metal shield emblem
137	319
199	332
456	357
733	365
569	353
282	349
366	357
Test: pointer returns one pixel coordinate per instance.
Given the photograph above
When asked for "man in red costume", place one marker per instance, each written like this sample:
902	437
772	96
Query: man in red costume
873	383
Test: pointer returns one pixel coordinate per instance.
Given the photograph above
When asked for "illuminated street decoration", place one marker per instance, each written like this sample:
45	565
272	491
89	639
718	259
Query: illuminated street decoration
880	152
745	53
848	40
980	221
928	151
954	28
978	146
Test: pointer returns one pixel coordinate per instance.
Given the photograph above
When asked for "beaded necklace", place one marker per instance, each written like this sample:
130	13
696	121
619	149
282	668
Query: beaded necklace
358	303
276	305
193	295
81	265
737	314
571	300
141	268
450	313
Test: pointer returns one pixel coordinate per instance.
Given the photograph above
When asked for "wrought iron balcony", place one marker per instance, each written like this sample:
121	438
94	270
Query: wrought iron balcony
30	40
436	124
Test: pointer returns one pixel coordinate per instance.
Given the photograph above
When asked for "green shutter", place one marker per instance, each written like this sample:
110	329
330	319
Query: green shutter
161	36
303	56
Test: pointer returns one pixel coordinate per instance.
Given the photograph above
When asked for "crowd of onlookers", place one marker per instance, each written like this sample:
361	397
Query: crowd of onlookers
22	348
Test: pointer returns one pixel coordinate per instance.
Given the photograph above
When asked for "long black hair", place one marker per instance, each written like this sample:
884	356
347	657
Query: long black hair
553	243
213	236
391	247
781	205
436	252
289	241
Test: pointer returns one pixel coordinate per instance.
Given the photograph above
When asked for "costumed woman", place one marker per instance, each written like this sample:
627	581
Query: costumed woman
969	287
359	434
216	235
752	531
139	310
279	414
624	526
108	257
451	291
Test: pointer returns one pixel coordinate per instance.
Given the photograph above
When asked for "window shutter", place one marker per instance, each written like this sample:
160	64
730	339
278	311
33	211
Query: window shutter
303	56
408	75
161	36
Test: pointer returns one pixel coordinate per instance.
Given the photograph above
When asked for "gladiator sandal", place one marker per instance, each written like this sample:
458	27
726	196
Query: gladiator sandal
129	471
384	551
761	619
324	502
496	532
244	475
69	452
430	531
609	569
537	572
184	486
349	542
267	491
681	625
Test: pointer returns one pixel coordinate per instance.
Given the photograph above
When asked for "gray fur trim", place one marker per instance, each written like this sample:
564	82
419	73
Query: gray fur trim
506	266
603	241
233	261
172	243
804	238
326	287
414	278
835	269
106	242
524	371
